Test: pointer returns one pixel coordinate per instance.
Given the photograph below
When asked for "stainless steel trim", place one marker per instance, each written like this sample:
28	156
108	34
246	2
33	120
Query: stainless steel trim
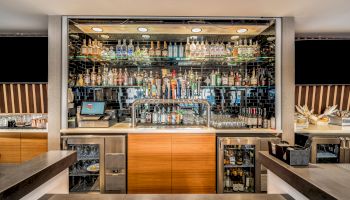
278	74
321	140
64	74
99	141
220	158
167	17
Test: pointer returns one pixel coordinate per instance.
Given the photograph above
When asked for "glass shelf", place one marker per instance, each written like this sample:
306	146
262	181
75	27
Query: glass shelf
117	86
237	87
212	87
239	166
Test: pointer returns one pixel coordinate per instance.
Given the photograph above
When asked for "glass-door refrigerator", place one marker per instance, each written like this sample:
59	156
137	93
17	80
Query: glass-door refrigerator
87	174
236	165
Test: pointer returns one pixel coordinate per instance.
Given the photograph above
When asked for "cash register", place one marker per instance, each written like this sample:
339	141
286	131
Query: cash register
92	115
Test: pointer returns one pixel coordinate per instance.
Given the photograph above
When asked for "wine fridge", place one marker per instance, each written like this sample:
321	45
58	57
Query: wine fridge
100	166
237	164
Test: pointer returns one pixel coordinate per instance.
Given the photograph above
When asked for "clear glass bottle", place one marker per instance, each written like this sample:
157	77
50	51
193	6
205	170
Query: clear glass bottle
231	79
181	50
253	79
111	53
124	49
119	49
165	50
228	49
139	78
213	78
224	79
238	78
89	48
130	48
218	78
207	49
175	50
110	77
105	77
80	81
83	49
115	77
120	79
137	48
188	48
198	49
125	77
170	50
87	80
193	49
93	77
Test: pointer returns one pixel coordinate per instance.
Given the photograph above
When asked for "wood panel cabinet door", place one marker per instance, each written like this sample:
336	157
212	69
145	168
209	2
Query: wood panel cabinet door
32	144
10	147
193	163
149	163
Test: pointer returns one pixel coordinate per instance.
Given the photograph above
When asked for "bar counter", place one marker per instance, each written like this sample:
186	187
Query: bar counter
328	130
22	130
126	128
316	181
167	196
18	180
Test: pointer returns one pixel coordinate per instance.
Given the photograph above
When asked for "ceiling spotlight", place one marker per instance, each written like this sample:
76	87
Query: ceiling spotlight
142	29
196	30
234	37
146	37
104	36
242	30
97	29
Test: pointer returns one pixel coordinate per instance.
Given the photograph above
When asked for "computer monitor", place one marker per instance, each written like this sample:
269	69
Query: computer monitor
93	108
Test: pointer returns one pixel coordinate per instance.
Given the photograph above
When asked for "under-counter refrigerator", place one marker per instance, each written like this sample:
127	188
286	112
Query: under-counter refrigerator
236	164
100	166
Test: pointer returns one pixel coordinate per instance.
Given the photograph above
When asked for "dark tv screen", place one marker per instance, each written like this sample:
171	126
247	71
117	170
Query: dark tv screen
23	59
322	62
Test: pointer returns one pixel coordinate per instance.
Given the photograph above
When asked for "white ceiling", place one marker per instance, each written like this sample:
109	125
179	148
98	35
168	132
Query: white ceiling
311	16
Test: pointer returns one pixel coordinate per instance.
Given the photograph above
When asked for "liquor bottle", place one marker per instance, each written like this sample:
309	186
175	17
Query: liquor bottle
110	78
188	48
137	48
173	86
80	81
139	78
181	50
202	49
124	49
193	49
235	51
83	49
250	50
238	79
87	80
130	48
262	78
120	77
93	77
218	78
253	79
165	50
89	48
105	77
111	53
222	49
119	49
175	51
94	48
166	87
125	77
158	83
104	53
212	78
184	85
144	51
256	49
158	51
239	158
151	51
170	50
198	49
115	77
132	79
231	79
207	49
155	115
225	79
246	79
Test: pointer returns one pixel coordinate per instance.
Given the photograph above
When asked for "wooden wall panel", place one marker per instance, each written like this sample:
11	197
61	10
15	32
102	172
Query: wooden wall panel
23	98
318	97
32	144
149	163
10	148
193	163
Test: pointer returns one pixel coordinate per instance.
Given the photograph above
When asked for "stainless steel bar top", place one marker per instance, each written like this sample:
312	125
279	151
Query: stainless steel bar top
126	128
316	181
167	196
17	180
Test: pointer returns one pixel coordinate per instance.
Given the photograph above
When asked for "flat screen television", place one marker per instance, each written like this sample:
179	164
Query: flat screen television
322	62
23	59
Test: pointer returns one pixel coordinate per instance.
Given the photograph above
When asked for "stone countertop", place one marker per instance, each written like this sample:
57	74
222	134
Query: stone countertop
125	128
166	196
17	180
316	181
22	130
327	130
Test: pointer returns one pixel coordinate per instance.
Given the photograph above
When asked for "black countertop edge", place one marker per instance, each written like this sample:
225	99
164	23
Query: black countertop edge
279	168
166	196
19	180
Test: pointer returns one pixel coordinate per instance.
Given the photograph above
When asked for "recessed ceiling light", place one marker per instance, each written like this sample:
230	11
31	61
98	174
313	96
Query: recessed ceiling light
104	36
142	29
146	37
196	30
242	30
234	37
97	29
